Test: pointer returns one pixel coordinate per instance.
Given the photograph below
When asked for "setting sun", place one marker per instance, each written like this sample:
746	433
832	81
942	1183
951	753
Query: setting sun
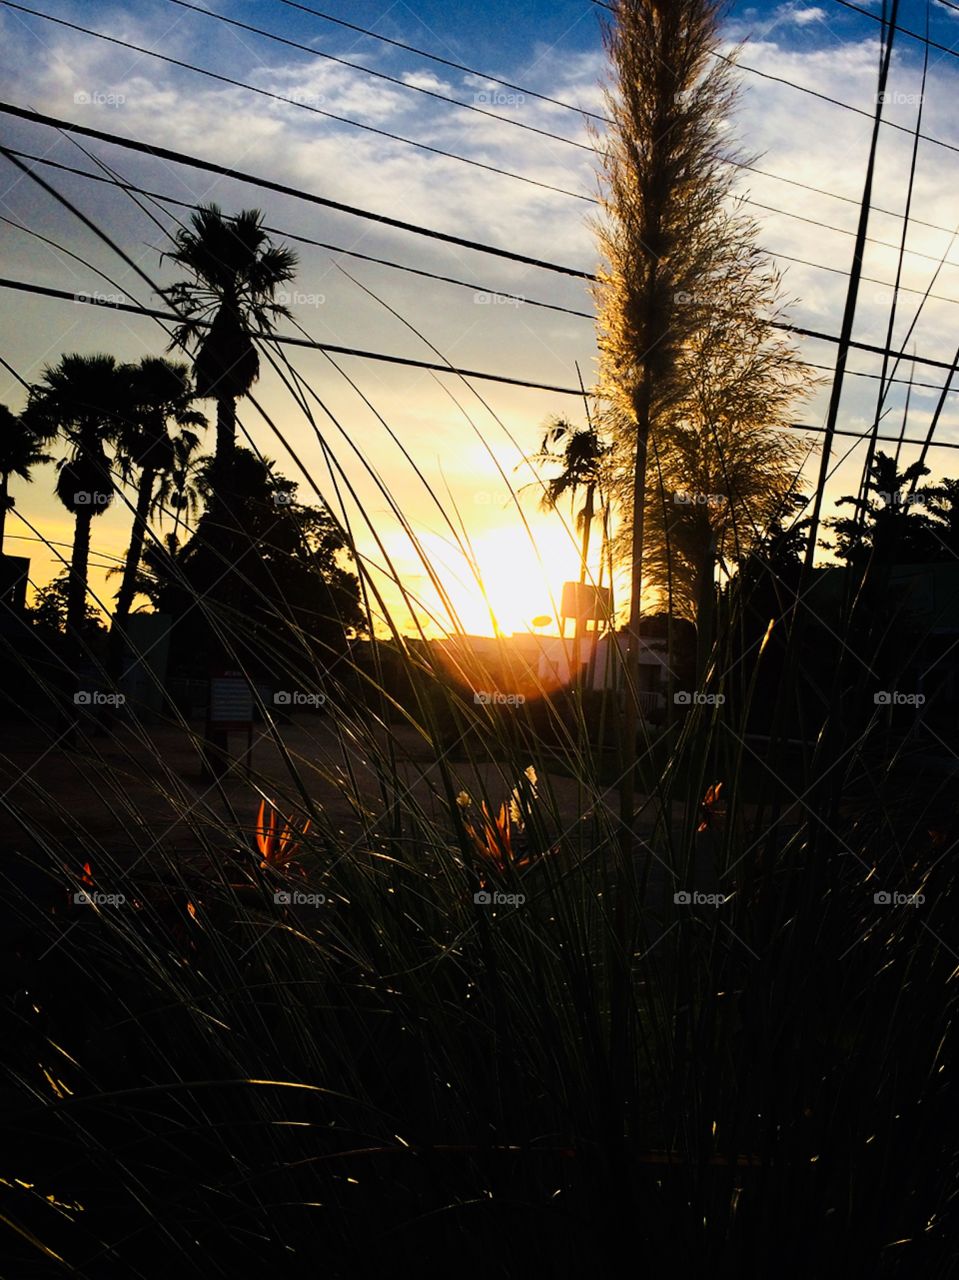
511	581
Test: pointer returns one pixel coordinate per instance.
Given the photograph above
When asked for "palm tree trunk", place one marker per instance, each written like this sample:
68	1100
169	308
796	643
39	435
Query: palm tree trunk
127	592
214	754
225	430
221	500
77	591
225	448
4	486
581	621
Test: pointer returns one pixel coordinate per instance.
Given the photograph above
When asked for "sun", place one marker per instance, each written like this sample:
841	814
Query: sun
518	575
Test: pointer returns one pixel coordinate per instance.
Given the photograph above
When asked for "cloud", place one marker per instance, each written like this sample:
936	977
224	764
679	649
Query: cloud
803	16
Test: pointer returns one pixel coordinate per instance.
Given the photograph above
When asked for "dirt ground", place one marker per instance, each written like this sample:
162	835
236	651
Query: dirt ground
121	790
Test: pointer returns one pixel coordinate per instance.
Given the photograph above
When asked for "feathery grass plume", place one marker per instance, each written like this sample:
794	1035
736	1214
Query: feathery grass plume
664	187
726	461
691	366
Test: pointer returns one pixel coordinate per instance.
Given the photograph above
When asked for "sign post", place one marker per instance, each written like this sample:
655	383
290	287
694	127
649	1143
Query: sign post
584	603
230	710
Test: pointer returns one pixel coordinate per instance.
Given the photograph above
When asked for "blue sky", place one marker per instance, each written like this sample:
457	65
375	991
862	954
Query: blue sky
463	444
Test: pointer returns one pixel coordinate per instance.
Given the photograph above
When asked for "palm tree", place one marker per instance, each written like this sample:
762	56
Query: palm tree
158	394
19	451
81	398
178	490
582	458
231	297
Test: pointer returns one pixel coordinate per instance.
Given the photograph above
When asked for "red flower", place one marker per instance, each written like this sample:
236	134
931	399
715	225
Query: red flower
277	847
712	809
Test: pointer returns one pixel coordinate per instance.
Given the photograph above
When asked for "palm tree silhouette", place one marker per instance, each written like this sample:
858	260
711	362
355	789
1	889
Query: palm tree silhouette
20	451
158	394
581	454
81	399
231	298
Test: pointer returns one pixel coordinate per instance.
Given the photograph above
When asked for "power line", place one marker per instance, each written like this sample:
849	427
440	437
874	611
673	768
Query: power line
380	75
878	377
210	166
827	226
834	195
44	291
409	141
602	119
864	435
825	97
303	106
447	62
814	93
265	183
241	84
62	294
319	244
888	284
419	271
905	31
22	286
130	187
505	119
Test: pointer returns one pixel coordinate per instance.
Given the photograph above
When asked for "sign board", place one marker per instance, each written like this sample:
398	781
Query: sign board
231	701
584	601
230	708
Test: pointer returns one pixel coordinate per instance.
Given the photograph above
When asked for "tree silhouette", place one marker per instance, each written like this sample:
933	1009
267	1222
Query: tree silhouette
890	521
158	394
81	399
231	297
20	452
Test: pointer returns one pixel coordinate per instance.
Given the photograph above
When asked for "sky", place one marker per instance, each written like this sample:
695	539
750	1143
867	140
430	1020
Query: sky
448	454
